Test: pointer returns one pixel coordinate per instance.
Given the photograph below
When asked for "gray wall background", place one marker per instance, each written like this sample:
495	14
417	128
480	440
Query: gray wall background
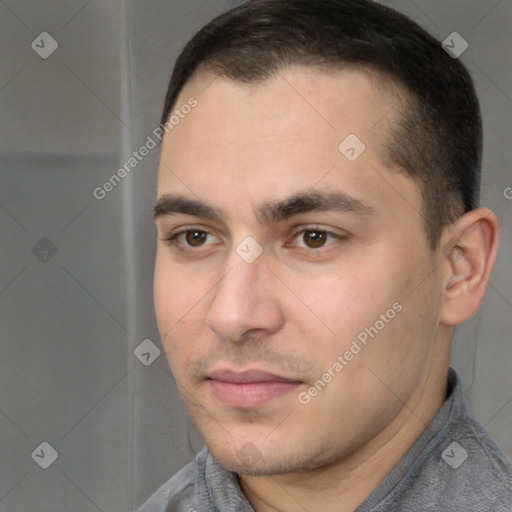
76	272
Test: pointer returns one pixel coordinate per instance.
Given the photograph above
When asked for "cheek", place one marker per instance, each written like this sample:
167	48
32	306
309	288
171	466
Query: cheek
178	301
164	286
347	299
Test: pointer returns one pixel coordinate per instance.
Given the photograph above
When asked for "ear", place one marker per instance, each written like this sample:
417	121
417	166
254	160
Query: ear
468	251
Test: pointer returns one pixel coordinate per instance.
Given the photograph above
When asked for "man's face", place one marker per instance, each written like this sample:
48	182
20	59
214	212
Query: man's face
281	254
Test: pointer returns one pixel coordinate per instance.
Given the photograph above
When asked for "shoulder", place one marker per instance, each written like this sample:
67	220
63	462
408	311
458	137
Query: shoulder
181	491
468	467
455	465
474	464
466	470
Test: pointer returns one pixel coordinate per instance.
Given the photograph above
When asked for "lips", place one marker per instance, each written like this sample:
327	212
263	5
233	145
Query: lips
249	389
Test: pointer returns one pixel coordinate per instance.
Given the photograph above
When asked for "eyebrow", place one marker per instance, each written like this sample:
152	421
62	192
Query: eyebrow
310	202
170	204
269	213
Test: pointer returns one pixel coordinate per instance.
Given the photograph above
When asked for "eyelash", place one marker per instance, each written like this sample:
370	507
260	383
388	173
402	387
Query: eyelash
173	239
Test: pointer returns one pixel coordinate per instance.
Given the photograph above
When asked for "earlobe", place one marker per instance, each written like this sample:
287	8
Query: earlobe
468	253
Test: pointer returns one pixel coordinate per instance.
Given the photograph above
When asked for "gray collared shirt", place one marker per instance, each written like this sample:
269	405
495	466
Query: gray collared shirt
454	466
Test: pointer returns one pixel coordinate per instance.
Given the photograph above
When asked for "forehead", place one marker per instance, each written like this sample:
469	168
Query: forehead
327	99
302	128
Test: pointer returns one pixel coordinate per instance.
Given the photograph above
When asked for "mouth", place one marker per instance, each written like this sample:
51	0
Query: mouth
249	389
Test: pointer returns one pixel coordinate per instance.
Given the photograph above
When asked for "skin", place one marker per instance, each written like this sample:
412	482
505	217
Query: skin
295	309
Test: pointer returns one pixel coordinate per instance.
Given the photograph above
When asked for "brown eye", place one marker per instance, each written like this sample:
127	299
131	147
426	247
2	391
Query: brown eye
195	238
314	239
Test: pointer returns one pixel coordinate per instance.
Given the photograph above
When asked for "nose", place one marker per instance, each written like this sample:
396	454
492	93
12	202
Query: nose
245	304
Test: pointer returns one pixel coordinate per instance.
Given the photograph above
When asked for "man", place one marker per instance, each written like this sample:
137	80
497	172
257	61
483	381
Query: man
319	240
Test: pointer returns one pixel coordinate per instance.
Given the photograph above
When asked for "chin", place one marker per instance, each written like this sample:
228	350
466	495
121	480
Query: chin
248	460
260	466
